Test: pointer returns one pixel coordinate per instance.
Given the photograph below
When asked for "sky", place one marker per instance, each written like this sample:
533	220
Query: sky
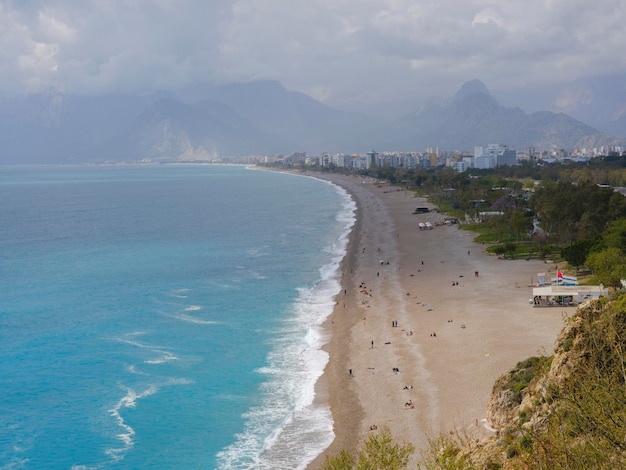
340	52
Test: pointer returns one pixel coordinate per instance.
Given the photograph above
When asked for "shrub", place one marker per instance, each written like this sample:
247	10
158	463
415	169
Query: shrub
378	450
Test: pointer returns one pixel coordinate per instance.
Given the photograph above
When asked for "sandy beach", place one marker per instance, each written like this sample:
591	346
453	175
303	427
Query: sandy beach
463	319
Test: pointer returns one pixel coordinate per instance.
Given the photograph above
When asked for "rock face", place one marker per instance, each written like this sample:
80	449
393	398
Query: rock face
524	394
502	409
571	402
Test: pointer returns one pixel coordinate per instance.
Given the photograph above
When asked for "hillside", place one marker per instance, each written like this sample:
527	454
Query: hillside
566	411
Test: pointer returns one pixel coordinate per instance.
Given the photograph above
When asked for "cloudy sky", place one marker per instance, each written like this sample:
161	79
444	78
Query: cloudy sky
339	51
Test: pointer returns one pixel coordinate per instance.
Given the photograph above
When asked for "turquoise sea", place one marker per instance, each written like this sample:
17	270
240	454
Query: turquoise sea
165	316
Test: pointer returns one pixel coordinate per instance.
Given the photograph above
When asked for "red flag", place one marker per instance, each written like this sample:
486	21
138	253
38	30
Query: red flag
559	274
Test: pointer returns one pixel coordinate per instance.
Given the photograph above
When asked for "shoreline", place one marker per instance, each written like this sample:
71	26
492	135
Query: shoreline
457	331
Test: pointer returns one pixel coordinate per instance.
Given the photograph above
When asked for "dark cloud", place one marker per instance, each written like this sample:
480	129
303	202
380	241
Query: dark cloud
341	51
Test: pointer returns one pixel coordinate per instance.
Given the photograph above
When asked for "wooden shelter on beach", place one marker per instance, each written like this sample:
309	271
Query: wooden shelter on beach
565	296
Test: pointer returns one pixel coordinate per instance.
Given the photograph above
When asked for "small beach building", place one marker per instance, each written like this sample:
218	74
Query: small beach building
565	296
541	279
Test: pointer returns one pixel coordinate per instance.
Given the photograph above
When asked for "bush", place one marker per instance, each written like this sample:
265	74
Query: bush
523	374
378	450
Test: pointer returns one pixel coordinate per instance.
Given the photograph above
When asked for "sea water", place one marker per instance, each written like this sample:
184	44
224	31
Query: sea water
165	316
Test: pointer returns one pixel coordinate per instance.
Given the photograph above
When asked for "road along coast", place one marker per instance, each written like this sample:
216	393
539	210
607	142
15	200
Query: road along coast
426	321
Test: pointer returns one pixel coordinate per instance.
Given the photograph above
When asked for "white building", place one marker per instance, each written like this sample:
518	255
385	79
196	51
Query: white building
342	161
493	155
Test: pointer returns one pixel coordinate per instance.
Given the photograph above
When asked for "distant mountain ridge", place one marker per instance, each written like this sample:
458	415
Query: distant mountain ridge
263	118
474	117
171	130
599	101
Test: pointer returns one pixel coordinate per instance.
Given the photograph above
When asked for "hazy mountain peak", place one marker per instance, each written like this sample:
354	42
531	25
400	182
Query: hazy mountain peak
258	87
263	117
473	87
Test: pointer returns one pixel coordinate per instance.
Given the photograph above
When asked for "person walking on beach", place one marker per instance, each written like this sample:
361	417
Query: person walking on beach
350	372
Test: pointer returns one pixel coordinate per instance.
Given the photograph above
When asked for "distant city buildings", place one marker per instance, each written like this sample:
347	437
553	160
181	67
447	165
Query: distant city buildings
493	155
483	157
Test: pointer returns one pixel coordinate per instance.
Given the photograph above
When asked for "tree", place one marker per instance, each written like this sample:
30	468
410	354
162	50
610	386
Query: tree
520	223
498	224
608	266
499	250
576	254
510	248
528	184
377	451
615	234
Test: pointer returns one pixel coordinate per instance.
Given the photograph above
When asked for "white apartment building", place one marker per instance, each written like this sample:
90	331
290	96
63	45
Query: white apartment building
493	155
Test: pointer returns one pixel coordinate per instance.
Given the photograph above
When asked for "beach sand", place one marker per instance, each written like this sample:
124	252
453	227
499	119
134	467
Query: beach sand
463	319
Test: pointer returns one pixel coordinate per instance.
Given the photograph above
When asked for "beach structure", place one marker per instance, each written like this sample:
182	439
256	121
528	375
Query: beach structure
563	280
541	279
560	279
565	296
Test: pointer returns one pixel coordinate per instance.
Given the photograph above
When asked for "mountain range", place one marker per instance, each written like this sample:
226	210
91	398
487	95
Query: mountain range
263	117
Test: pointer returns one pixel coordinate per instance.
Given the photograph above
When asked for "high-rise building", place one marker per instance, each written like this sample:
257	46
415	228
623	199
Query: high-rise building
494	155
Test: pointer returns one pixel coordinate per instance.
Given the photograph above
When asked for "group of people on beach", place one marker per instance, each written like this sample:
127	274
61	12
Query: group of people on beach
367	292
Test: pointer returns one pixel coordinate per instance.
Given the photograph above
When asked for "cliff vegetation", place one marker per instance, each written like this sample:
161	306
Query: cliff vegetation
566	411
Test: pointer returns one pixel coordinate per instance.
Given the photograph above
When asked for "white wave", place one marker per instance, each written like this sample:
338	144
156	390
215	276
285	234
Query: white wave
257	252
193	308
164	354
129	400
133	370
139	344
165	357
192	319
223	285
288	429
179	381
181	293
126	436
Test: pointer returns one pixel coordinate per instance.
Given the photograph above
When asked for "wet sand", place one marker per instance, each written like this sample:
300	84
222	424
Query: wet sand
463	319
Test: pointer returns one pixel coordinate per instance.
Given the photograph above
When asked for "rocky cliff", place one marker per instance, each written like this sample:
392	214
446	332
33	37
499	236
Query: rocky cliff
565	411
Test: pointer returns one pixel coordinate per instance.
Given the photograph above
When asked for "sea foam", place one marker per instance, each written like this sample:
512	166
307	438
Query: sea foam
289	429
